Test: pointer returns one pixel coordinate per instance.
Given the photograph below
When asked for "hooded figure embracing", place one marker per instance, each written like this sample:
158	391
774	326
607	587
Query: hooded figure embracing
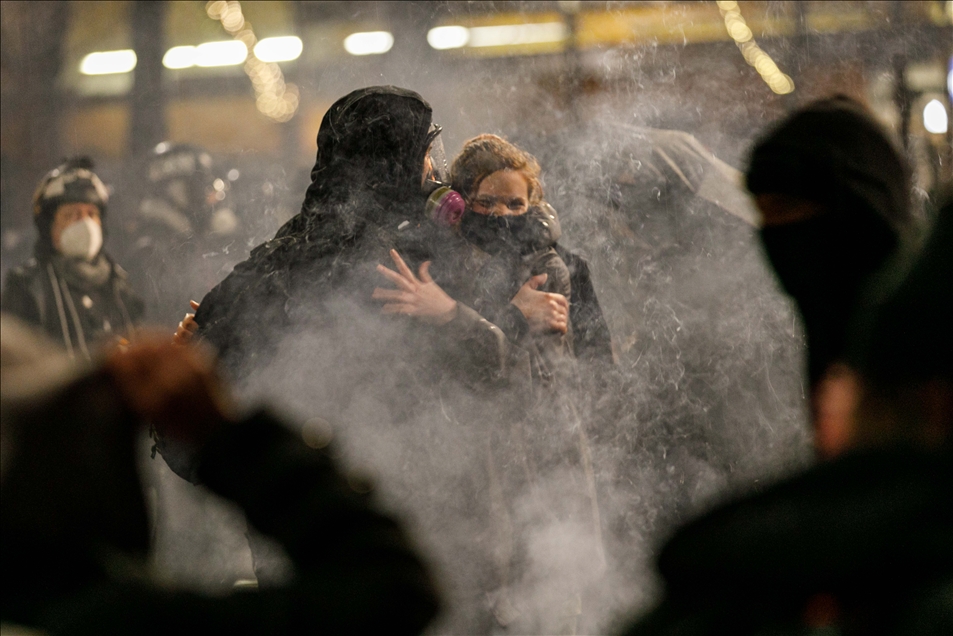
407	398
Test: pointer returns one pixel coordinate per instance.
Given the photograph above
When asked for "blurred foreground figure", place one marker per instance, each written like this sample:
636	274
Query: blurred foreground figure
859	544
72	289
74	529
834	197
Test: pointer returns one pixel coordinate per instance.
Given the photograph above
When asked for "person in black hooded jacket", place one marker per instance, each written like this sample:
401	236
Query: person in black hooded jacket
298	319
859	544
366	198
834	195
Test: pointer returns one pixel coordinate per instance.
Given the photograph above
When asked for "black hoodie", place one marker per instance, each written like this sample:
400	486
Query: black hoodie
366	181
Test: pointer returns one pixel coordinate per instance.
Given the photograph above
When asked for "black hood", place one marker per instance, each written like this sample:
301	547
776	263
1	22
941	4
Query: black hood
371	147
834	152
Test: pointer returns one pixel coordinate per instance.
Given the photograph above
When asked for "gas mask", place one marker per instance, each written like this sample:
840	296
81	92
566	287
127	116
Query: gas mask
444	206
82	239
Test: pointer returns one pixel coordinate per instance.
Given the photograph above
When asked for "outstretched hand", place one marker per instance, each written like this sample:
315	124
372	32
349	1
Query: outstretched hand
545	312
186	330
415	296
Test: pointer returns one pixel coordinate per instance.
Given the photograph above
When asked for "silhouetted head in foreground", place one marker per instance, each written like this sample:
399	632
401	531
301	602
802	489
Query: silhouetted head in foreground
833	193
859	544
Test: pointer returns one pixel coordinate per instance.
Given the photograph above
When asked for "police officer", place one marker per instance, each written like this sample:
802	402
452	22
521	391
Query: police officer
72	289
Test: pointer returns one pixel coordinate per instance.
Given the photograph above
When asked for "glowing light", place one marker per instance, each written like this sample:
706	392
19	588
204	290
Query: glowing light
233	174
514	34
108	62
232	18
369	43
280	49
179	57
949	80
935	118
741	33
216	9
227	53
273	97
448	37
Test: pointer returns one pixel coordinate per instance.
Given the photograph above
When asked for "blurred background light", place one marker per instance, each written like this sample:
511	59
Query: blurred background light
226	53
369	43
108	62
935	118
179	57
740	32
515	34
279	49
949	79
448	37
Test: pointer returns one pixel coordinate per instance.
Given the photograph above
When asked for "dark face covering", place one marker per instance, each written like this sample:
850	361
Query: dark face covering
824	263
493	234
519	234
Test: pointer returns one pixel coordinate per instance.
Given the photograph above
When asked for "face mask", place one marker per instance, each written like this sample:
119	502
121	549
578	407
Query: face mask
825	257
524	233
82	239
492	234
823	263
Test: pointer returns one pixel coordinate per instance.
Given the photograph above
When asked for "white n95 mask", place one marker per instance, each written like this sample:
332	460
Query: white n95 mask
82	239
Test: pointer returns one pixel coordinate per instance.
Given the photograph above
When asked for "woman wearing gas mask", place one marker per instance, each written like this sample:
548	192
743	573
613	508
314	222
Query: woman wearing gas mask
72	289
505	263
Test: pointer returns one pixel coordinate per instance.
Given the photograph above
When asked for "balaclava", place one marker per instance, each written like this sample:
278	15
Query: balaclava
832	153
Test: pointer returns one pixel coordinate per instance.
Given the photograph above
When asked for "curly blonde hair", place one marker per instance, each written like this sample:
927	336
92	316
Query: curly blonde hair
485	154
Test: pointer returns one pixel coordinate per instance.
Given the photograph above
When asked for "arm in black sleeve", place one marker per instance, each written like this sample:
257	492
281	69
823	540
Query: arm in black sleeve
591	337
511	322
18	300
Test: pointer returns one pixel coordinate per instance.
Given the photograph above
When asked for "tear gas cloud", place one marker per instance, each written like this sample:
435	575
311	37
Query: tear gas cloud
708	397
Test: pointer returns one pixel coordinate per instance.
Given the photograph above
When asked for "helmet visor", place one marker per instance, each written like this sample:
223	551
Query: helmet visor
438	157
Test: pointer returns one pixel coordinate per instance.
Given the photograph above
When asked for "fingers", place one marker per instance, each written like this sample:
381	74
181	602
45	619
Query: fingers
392	294
397	279
560	300
536	281
402	266
398	308
186	330
194	305
425	272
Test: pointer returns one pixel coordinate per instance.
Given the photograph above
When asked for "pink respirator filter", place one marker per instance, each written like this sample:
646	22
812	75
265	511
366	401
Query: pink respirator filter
445	206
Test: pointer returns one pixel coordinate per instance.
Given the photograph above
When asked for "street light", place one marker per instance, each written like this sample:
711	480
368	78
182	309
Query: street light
935	118
108	62
369	43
